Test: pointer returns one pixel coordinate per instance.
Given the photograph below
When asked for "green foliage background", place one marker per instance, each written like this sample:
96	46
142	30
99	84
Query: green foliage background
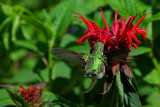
29	29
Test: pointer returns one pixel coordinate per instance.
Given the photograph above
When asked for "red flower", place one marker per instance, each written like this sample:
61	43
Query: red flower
121	33
94	33
32	96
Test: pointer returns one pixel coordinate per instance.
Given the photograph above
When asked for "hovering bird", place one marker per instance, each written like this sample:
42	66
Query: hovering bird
94	64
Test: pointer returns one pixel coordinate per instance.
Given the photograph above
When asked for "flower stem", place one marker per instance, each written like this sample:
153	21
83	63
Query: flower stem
50	61
155	63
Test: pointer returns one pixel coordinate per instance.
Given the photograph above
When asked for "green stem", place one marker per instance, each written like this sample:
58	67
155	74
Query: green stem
50	61
155	63
151	54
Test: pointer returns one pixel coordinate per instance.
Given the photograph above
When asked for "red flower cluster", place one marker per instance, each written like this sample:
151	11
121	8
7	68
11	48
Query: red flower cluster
32	96
121	33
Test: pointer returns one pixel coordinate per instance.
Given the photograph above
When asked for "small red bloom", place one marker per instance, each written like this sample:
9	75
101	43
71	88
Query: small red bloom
32	96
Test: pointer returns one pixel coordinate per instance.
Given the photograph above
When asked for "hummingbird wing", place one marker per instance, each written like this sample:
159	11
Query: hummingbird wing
70	57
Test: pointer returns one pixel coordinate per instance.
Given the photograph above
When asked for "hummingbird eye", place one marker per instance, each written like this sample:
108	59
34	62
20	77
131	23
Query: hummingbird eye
90	75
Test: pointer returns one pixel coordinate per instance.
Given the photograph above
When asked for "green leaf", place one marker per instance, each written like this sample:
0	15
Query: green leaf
62	70
155	17
153	99
4	98
131	97
120	88
15	25
27	32
123	93
7	9
99	20
81	48
17	54
20	77
62	15
115	96
128	7
29	45
133	7
6	40
152	77
31	20
139	51
66	39
48	96
5	23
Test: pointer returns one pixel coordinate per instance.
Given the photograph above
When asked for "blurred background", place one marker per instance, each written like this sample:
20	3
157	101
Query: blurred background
29	29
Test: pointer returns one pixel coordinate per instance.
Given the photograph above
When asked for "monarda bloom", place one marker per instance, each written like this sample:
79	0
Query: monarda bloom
121	33
117	42
31	96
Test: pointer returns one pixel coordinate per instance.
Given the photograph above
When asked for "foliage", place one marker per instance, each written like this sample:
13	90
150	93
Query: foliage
29	29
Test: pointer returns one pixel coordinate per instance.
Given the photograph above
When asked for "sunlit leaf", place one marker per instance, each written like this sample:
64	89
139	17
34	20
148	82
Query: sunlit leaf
17	54
6	40
15	25
153	99
139	51
7	9
152	77
4	98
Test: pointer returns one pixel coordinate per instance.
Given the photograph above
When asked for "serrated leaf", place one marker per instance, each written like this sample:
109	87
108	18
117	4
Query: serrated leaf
48	96
131	97
61	15
133	7
128	7
139	51
115	96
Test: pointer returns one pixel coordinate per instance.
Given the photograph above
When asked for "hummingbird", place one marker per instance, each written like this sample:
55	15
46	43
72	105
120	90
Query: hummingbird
95	64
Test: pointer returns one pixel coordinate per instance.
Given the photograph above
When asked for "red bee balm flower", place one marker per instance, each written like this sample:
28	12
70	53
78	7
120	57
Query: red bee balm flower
121	33
32	96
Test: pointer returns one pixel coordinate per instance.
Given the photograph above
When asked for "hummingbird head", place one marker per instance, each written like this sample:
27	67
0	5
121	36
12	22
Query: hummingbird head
93	74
